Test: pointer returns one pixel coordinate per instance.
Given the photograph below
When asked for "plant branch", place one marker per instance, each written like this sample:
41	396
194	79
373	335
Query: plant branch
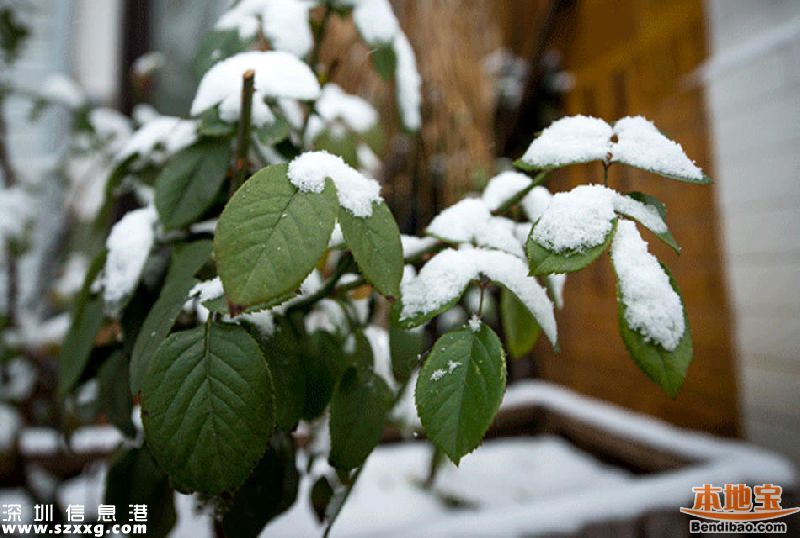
537	180
319	36
9	181
338	508
243	137
341	268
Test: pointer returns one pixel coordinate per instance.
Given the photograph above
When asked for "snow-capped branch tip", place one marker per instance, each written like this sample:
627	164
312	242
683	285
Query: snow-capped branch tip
277	75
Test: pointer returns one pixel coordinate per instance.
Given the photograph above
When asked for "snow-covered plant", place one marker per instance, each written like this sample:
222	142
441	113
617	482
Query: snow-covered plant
260	291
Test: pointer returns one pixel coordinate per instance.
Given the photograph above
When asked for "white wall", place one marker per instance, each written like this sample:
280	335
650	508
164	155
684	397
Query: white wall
753	83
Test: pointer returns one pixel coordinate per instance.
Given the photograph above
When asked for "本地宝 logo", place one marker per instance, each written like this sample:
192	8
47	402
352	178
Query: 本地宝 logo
738	508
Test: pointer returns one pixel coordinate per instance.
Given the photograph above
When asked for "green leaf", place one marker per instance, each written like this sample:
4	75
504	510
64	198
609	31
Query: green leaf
212	125
421	318
270	236
362	356
270	134
218	45
543	261
208	407
654	202
520	327
324	363
190	182
320	497
405	348
358	411
282	351
186	261
344	145
384	60
375	244
374	139
666	368
87	318
116	176
134	478
460	389
270	490
114	398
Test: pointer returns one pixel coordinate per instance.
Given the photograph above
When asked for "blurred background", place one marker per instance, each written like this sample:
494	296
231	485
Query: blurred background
721	77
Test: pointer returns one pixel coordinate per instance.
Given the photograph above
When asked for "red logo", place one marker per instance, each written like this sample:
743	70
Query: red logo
741	503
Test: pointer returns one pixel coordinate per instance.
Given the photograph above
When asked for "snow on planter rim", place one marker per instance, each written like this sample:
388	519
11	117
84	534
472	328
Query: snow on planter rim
356	192
503	187
448	273
277	74
582	218
582	139
652	307
128	245
469	220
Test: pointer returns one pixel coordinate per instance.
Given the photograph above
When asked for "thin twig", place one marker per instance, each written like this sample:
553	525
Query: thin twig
243	138
341	503
341	268
319	36
9	181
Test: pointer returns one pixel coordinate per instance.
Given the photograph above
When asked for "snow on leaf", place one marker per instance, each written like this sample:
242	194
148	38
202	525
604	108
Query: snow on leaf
414	246
408	83
128	245
16	209
641	145
277	74
61	89
469	221
158	139
375	21
334	105
652	306
556	282
504	187
285	24
574	139
633	140
356	192
445	277
576	220
535	202
580	219
646	215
